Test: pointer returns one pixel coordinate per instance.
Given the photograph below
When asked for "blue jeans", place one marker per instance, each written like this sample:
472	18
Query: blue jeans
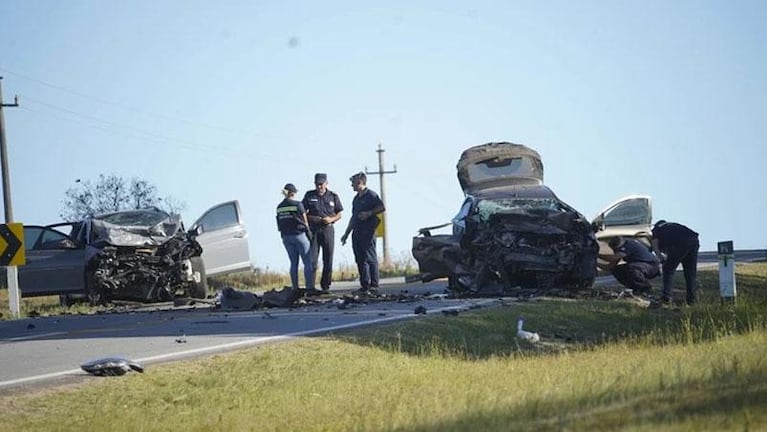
297	246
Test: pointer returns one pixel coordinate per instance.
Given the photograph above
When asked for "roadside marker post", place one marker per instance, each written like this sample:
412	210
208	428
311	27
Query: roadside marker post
727	286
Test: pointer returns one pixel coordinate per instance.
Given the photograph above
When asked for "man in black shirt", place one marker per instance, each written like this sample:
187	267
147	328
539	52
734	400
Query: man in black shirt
640	265
323	208
680	245
365	208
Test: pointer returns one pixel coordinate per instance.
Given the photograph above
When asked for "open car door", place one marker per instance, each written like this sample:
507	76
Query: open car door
55	262
628	217
224	239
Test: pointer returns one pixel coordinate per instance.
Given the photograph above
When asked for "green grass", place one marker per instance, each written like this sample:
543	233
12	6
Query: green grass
601	365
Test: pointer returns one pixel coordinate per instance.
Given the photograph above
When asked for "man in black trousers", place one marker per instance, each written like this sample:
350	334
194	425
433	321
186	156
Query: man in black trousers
639	266
679	244
323	209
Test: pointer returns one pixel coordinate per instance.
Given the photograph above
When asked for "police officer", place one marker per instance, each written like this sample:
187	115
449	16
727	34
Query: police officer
639	266
323	208
365	206
680	245
294	229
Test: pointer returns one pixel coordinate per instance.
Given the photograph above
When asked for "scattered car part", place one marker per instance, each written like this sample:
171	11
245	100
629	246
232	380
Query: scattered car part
523	334
111	366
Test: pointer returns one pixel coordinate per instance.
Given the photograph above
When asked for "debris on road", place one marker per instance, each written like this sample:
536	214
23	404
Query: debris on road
283	298
420	310
232	299
111	366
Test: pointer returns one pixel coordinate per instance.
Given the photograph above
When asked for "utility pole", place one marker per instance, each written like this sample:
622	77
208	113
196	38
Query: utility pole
11	271
381	172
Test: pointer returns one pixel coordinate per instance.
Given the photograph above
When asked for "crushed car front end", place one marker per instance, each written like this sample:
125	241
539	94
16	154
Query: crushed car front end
140	255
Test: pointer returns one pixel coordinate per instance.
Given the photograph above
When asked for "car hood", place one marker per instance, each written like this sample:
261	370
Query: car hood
160	227
498	164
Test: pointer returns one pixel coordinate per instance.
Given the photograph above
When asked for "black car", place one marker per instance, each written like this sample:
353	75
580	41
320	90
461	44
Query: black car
144	254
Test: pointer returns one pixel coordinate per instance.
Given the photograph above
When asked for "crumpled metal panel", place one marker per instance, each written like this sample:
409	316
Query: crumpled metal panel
111	366
472	160
126	235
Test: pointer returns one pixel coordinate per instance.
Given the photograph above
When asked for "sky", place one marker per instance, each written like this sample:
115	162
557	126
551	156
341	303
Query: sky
214	101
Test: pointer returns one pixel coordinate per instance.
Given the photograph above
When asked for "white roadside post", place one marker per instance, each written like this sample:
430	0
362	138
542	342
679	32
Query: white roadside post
727	290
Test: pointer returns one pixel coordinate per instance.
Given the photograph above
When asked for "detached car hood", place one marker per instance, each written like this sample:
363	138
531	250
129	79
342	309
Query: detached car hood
498	164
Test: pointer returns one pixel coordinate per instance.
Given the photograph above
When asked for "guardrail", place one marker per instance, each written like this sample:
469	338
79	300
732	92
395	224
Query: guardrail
743	255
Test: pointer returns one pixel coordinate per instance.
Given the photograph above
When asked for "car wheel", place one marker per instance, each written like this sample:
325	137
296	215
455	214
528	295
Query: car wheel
96	297
199	290
65	300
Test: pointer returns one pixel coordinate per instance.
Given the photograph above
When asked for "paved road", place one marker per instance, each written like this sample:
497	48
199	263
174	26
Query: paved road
41	350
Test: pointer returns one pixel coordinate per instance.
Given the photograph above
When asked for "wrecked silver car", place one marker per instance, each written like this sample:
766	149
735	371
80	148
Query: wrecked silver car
143	255
511	231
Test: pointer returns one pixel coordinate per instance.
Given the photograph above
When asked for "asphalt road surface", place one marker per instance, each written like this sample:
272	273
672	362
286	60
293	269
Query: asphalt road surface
37	351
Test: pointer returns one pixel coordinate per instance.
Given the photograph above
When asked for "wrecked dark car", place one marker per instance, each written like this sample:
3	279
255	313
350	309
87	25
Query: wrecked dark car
143	255
511	231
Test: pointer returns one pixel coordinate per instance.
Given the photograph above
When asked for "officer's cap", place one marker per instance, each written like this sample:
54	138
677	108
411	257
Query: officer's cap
359	176
290	187
320	178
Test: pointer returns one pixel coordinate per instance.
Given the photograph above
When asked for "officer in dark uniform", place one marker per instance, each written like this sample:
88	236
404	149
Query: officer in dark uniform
679	244
365	206
639	264
323	208
293	227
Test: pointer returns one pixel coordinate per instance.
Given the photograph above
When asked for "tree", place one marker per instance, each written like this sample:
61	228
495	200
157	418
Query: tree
113	193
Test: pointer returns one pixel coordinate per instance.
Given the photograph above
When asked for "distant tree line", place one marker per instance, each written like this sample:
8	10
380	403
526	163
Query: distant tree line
110	193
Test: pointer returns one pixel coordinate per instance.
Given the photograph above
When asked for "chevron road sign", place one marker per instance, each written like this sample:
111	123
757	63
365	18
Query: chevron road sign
12	244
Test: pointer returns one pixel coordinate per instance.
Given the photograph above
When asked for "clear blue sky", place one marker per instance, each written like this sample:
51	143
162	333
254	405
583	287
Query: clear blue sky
212	101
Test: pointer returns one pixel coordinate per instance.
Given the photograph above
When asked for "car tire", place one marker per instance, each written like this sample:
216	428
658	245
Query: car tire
199	290
65	300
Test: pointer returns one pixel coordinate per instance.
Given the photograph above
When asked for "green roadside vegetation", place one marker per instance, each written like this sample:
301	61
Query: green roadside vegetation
600	365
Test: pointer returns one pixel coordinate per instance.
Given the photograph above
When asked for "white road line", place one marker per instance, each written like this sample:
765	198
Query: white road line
23	338
241	344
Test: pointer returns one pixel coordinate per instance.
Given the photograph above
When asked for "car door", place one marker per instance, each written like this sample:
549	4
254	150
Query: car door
224	239
628	217
55	262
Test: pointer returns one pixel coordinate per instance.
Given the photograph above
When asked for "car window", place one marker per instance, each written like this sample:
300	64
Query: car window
505	167
220	217
31	235
489	207
51	239
136	218
631	212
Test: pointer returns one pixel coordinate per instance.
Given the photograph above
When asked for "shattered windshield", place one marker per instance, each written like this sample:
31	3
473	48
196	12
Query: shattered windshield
136	218
487	208
505	167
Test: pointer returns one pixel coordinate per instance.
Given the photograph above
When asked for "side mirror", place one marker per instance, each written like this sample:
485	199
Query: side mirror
195	231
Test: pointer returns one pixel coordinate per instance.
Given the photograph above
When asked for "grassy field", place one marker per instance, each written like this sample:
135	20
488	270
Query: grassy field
600	365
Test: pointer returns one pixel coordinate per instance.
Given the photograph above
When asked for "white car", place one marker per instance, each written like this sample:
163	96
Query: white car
143	254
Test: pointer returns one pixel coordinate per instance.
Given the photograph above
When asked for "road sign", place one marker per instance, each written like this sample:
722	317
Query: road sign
727	285
12	244
380	228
